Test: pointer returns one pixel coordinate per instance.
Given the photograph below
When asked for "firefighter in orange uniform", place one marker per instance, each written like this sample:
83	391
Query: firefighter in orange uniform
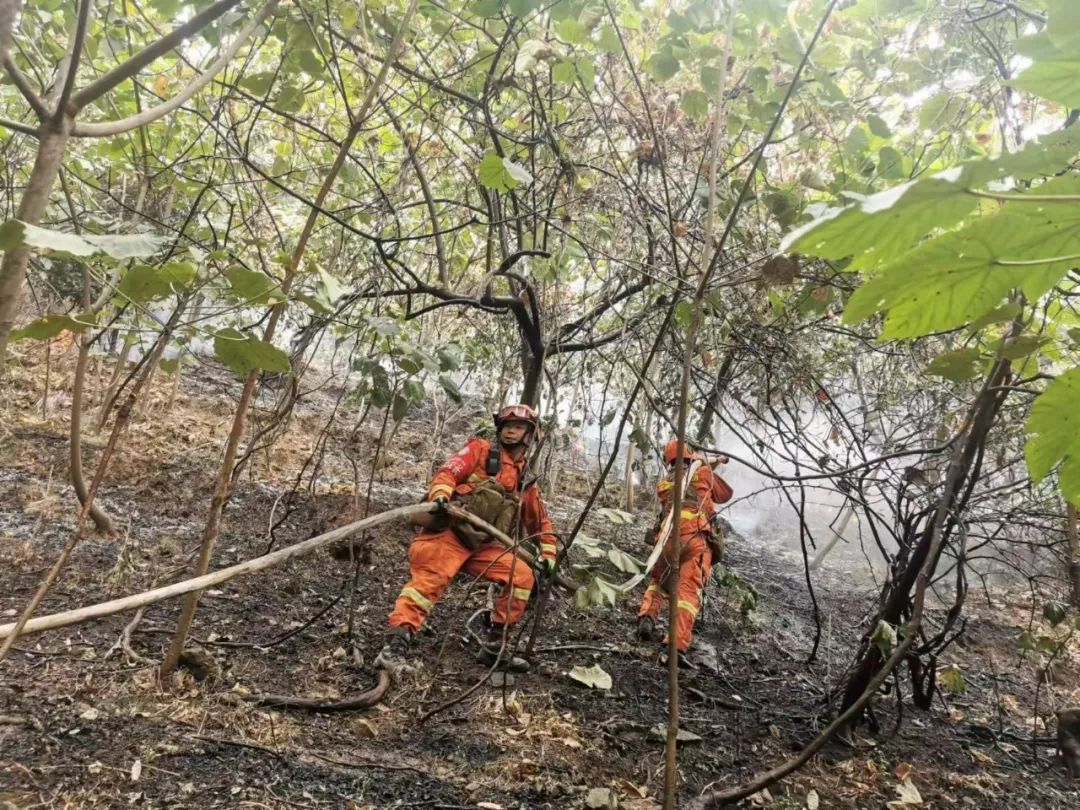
437	555
699	543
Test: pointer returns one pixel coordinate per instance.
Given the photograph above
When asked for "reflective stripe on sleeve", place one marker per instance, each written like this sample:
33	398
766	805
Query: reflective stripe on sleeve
522	594
416	597
443	490
689	607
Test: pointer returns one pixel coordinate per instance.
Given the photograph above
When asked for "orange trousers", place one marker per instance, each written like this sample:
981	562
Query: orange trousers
436	557
695	561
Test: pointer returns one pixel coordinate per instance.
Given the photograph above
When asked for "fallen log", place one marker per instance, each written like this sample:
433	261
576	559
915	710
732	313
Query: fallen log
113	606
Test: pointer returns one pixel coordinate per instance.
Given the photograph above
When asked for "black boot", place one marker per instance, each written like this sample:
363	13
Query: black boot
488	638
646	629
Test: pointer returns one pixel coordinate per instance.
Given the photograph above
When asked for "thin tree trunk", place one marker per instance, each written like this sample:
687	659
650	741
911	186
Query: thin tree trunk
628	500
101	520
114	381
221	490
51	143
1074	552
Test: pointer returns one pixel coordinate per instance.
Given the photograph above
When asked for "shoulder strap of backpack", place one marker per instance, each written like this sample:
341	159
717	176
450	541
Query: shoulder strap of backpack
494	460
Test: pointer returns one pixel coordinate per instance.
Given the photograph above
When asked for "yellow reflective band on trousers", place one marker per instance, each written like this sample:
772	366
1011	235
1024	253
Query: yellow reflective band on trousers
688	607
689	514
415	596
521	593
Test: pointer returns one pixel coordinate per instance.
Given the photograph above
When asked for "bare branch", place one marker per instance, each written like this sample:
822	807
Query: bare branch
126	70
19	80
154	113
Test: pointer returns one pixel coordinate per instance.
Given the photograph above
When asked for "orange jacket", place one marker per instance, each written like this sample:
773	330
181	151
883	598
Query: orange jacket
462	473
706	488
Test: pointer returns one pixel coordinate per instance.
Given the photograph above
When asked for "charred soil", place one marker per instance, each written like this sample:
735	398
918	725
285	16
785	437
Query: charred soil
84	723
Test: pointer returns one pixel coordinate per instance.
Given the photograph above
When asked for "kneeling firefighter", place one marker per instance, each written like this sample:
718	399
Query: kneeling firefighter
700	545
486	479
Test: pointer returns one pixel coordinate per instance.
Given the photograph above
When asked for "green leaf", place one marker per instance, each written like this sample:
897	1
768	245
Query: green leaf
952	680
890	163
1053	429
1026	642
587	73
878	126
501	174
409	365
884	637
170	365
572	31
400	408
609	40
1055	613
1055	74
695	104
1021	346
253	287
451	388
684	313
959	276
244	353
52	325
563	72
1006	312
125	246
662	66
143	283
258	84
486	8
710	78
957	366
594	677
879	227
449	359
932	110
623	561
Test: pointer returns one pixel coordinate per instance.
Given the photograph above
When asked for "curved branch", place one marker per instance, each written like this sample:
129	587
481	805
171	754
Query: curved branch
154	113
126	70
73	56
19	80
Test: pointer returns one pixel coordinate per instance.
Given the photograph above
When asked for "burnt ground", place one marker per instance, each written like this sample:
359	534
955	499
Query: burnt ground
83	727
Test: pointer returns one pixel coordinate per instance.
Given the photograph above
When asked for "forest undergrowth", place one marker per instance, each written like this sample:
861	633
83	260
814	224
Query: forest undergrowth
84	723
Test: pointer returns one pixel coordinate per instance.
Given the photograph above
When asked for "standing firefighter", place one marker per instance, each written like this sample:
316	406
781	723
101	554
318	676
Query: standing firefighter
487	479
700	544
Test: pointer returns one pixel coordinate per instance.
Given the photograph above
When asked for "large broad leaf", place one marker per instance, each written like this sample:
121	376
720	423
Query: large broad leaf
15	234
1055	74
243	353
623	561
955	278
957	366
594	677
144	283
253	287
1064	22
501	174
1053	429
52	325
878	227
